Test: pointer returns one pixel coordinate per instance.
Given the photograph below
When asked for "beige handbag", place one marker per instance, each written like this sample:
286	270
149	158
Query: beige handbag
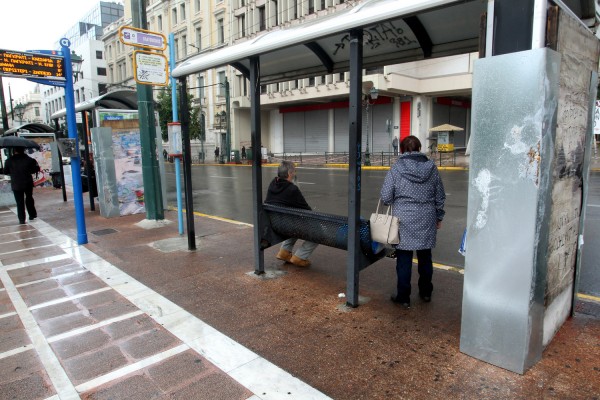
384	227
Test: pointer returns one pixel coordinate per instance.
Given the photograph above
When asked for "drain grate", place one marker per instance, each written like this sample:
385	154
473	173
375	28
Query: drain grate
102	232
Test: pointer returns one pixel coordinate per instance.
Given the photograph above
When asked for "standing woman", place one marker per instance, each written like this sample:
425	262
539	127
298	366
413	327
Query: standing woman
414	188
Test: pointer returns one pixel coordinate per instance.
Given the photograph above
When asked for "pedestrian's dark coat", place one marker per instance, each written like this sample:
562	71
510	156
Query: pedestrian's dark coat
282	192
20	167
414	187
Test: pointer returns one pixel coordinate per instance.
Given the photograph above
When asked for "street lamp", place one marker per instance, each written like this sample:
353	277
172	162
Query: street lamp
76	63
20	111
372	95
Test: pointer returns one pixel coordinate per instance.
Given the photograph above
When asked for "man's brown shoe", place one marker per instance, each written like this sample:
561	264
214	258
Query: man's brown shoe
297	261
284	255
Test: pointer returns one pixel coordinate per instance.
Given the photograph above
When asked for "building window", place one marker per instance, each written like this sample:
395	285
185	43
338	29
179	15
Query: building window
101	71
98	55
221	77
174	16
159	19
200	86
197	5
182	12
311	6
220	31
242	25
184	45
176	44
262	19
199	39
102	87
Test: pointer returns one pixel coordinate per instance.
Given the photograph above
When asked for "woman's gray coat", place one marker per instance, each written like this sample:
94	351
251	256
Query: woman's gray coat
415	188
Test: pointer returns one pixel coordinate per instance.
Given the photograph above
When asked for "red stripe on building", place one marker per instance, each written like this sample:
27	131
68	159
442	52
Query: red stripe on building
404	119
329	106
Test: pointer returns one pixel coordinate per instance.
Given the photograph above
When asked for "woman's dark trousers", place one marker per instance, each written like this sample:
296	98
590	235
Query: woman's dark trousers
24	199
404	272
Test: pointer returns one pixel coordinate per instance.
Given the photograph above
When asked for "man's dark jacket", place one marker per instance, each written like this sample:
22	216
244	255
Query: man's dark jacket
284	193
20	167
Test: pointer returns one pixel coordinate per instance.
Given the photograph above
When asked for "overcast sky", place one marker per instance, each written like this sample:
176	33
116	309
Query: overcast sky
36	25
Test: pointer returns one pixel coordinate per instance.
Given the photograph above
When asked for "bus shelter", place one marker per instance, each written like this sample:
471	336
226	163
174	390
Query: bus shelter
532	85
110	122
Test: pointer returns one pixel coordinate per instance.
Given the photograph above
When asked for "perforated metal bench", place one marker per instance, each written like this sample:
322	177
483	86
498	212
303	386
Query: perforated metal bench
331	230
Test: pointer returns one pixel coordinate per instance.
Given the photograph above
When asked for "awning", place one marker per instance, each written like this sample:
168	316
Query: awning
394	32
445	128
118	99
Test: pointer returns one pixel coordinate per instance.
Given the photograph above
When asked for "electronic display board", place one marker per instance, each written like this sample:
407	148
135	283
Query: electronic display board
26	65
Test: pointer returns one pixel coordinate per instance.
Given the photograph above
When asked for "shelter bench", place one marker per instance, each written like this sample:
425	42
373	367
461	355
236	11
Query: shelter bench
331	230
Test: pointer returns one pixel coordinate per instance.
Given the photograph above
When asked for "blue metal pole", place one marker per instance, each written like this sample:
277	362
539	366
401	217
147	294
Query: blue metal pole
72	131
176	119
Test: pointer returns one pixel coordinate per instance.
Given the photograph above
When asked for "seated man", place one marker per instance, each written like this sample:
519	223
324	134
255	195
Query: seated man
283	192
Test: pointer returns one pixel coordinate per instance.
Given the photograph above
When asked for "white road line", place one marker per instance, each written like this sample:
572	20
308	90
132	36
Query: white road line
9	314
593	205
223	177
56	373
30	248
16	351
66	275
69	298
119	373
38	261
88	328
21	240
12	233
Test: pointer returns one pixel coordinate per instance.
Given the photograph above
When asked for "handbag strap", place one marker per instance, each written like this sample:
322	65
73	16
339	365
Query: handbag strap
389	210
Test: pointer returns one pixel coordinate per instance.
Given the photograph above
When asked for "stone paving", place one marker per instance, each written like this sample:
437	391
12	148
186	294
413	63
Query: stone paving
73	326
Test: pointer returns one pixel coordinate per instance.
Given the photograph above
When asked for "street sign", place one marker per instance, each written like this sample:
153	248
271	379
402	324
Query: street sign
31	65
142	38
150	68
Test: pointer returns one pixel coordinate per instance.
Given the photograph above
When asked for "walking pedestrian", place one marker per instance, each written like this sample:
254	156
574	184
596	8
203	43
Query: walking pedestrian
216	153
395	145
20	167
414	189
283	192
243	152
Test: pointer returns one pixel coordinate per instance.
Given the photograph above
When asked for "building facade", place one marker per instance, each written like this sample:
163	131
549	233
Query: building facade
86	42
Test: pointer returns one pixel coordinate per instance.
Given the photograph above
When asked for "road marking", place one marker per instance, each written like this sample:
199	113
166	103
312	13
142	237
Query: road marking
69	298
22	240
589	297
30	248
121	372
65	275
16	351
593	205
222	177
88	328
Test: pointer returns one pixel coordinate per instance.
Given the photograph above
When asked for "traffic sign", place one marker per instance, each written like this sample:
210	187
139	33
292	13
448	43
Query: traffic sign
142	38
150	68
31	65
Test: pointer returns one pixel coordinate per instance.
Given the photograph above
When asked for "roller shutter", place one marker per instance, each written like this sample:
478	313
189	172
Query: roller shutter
293	133
315	128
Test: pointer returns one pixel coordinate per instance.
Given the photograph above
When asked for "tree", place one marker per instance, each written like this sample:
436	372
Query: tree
165	113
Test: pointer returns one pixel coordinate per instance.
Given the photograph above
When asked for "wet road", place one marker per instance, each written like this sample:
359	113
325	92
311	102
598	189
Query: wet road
227	192
589	278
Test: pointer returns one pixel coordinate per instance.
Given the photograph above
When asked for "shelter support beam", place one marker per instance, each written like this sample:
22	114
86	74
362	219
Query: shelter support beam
86	154
354	173
322	55
187	163
258	212
62	169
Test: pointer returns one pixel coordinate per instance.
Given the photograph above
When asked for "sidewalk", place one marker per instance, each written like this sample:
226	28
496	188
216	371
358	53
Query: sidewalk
134	315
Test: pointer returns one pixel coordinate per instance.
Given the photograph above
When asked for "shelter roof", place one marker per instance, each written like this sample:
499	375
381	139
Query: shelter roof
394	32
124	99
30	127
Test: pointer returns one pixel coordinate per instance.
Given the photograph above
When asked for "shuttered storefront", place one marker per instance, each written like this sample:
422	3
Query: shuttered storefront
293	132
305	131
340	129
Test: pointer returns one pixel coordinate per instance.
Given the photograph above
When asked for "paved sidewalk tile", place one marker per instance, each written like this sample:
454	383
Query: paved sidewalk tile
66	330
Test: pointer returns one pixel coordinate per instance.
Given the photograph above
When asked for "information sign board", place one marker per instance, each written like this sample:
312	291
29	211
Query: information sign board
150	68
27	65
142	38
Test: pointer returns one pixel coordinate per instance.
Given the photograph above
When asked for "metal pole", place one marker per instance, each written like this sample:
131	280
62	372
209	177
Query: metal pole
354	173
228	131
3	105
177	161
150	172
72	128
258	213
187	163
